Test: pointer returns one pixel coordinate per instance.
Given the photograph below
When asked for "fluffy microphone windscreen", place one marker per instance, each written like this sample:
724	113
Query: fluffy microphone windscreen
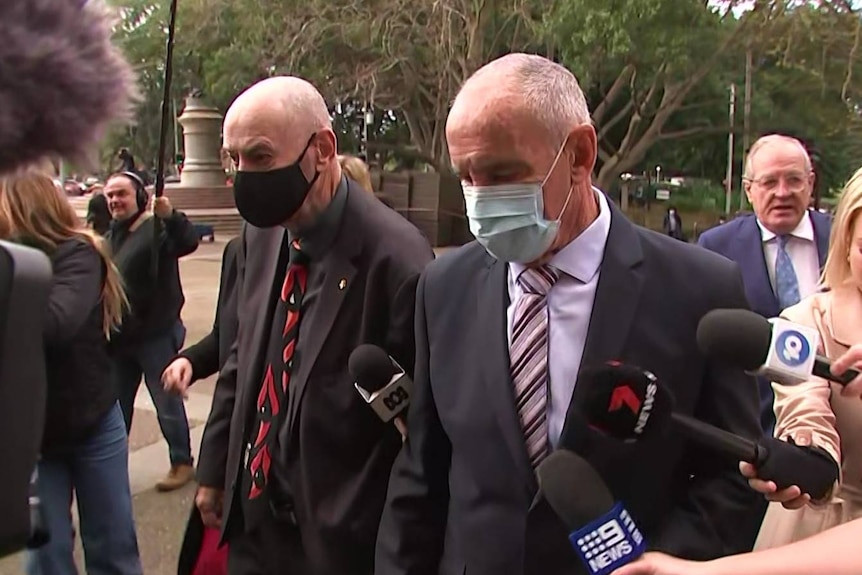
573	489
370	367
625	402
62	81
736	336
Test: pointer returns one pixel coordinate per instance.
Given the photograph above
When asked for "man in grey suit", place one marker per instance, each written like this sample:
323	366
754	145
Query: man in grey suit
557	280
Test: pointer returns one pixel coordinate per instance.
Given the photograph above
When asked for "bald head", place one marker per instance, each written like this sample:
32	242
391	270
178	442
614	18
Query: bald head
281	113
538	90
279	135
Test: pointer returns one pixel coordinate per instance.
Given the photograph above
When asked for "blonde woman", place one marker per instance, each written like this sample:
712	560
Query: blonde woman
85	446
356	170
816	412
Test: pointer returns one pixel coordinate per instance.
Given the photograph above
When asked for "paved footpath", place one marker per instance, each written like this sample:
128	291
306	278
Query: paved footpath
161	517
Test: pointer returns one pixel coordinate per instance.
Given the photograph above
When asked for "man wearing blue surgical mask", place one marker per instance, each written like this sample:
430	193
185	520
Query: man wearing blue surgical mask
557	280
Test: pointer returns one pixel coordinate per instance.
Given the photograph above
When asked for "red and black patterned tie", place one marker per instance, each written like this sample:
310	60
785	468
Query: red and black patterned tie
272	400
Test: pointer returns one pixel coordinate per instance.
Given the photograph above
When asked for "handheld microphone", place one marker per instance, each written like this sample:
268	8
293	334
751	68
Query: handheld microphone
381	382
62	81
775	348
602	532
810	468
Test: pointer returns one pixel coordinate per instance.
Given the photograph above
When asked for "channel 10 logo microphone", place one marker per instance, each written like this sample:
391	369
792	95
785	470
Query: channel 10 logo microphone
609	542
792	352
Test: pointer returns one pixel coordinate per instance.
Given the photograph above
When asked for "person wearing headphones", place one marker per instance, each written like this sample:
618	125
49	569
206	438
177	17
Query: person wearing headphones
152	332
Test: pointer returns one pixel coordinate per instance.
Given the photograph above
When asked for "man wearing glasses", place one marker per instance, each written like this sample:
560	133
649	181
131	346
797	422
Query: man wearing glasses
780	249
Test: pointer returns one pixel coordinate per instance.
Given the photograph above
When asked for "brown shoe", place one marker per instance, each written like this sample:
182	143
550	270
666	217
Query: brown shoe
178	476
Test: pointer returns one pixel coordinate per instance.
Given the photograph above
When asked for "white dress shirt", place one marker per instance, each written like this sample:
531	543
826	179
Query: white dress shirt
802	249
570	306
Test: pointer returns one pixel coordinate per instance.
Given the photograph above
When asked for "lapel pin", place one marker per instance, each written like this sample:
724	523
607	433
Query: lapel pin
342	284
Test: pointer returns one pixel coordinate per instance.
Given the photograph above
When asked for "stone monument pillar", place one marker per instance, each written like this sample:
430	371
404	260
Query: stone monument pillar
202	167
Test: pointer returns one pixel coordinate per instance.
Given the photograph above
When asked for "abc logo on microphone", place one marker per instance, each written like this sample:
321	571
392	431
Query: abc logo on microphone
792	348
395	399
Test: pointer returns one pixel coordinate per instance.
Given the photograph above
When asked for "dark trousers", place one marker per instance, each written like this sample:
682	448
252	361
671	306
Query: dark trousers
273	547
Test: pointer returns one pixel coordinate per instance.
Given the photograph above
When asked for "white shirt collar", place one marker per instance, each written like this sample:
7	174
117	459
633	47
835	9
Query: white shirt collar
582	257
804	230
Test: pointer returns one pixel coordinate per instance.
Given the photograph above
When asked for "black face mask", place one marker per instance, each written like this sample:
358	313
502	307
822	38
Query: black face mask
268	199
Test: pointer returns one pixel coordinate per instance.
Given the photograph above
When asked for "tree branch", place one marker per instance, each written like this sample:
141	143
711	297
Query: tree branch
619	84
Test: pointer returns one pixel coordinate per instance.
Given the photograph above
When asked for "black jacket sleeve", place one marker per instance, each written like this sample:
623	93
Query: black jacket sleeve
711	516
75	291
410	538
179	237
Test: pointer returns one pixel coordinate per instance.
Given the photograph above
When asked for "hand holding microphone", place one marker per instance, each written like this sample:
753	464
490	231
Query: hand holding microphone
852	358
775	348
382	383
784	352
628	404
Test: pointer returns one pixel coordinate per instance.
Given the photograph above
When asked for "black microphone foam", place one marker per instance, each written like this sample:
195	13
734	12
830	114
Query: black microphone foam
736	336
371	367
62	81
573	489
625	402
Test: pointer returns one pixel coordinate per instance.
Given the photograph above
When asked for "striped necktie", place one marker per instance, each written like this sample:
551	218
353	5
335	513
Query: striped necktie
528	354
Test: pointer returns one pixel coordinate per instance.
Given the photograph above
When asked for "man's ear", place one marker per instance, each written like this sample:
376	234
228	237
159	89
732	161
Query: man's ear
327	147
582	144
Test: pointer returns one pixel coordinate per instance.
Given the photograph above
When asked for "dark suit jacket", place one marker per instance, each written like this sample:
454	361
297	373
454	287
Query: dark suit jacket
208	356
462	488
338	453
740	240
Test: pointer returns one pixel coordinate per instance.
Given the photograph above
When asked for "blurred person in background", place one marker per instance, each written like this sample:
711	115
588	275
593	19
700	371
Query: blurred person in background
98	213
84	447
357	170
152	331
816	412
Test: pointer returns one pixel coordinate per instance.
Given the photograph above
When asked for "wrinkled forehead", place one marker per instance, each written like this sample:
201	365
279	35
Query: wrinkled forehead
119	185
779	157
262	128
495	136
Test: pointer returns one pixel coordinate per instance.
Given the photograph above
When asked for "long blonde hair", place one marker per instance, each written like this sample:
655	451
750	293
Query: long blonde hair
33	211
357	170
836	271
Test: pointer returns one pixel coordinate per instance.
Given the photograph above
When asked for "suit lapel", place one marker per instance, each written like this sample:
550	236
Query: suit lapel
821	236
752	264
260	285
492	300
617	295
339	273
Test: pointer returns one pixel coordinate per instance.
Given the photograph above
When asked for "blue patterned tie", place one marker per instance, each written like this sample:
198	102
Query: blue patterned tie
786	284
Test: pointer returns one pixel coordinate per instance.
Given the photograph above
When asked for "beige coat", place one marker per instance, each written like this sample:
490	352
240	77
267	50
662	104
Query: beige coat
834	421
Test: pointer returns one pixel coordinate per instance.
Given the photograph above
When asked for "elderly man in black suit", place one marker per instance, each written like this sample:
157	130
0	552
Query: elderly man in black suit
322	268
557	280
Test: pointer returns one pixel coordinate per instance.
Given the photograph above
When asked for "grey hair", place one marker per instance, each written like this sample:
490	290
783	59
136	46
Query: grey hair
551	92
763	141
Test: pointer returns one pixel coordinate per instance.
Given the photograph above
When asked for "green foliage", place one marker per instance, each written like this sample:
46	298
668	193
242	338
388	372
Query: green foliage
656	72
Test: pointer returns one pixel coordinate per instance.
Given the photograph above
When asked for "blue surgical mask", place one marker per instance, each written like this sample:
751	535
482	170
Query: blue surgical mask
509	219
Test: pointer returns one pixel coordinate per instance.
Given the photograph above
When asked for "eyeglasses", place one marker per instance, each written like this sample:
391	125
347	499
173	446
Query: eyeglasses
794	182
